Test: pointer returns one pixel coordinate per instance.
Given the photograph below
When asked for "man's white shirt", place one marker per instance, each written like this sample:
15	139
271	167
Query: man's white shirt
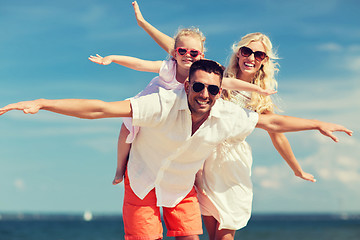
164	154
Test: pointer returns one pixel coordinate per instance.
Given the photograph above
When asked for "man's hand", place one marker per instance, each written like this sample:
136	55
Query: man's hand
31	107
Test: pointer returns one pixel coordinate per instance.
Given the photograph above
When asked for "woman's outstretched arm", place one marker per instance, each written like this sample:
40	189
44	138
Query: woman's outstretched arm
283	147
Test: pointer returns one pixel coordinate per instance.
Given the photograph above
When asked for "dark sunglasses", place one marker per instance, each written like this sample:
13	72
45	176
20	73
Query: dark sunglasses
212	89
193	52
246	52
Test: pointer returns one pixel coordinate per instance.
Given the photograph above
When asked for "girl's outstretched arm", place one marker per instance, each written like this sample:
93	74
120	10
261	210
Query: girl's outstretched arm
237	84
282	145
129	62
165	42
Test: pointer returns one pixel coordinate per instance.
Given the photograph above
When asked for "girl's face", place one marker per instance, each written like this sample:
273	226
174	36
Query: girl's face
192	46
249	65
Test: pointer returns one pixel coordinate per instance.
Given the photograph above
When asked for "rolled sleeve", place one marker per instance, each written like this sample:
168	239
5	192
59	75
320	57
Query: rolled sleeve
152	109
253	118
145	110
244	121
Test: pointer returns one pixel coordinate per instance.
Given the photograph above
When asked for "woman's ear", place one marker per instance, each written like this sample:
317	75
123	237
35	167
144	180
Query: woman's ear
238	53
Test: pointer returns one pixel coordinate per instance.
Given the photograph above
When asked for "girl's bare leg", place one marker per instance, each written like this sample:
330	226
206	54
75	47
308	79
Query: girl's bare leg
122	155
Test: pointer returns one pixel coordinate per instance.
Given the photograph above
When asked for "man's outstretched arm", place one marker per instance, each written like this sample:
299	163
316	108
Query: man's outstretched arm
279	123
80	108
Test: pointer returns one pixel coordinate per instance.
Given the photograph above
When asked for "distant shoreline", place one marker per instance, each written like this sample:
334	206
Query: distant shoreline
99	216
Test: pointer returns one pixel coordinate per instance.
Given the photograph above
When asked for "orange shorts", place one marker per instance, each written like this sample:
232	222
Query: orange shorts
142	219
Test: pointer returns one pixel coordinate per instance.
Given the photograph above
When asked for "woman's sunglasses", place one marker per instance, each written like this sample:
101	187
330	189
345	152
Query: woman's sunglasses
212	89
193	52
246	52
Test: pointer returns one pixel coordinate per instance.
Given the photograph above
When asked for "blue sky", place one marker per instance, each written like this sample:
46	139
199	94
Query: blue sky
53	163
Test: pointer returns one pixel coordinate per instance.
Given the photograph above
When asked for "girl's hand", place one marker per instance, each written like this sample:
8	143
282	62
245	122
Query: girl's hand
100	60
139	17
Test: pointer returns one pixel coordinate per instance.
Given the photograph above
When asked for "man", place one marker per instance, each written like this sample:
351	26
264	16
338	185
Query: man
179	129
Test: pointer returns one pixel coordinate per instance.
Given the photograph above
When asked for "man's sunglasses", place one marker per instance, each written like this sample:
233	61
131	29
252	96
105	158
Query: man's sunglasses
193	52
246	52
212	89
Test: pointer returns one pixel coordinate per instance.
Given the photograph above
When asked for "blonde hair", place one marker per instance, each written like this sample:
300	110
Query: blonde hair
190	32
264	78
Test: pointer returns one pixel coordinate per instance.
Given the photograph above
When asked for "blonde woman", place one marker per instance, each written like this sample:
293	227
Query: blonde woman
226	177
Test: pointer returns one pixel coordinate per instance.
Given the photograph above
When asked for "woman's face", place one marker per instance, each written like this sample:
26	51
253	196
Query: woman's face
189	43
249	65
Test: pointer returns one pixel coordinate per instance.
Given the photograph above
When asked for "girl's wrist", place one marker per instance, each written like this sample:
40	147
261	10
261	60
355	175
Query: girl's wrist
141	22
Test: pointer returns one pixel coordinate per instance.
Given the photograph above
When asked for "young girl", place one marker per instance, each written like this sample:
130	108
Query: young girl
226	189
188	47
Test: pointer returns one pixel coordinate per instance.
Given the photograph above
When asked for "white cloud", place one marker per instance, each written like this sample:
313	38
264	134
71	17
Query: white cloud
324	173
354	48
336	168
330	47
270	184
46	116
353	63
336	47
348	162
260	171
332	100
19	184
36	131
334	165
349	176
337	164
349	55
103	145
270	177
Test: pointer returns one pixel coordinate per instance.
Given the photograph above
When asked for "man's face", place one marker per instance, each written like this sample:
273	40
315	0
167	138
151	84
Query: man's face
200	103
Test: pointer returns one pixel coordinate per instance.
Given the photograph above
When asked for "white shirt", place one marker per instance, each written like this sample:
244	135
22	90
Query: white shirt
167	80
165	155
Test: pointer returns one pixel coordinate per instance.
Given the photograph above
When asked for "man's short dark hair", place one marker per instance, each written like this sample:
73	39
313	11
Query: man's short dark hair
208	66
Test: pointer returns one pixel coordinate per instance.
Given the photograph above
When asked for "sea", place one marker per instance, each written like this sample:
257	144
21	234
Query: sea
108	227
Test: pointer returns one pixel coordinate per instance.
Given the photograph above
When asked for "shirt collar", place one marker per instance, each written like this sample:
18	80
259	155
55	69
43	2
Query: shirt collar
215	110
183	102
